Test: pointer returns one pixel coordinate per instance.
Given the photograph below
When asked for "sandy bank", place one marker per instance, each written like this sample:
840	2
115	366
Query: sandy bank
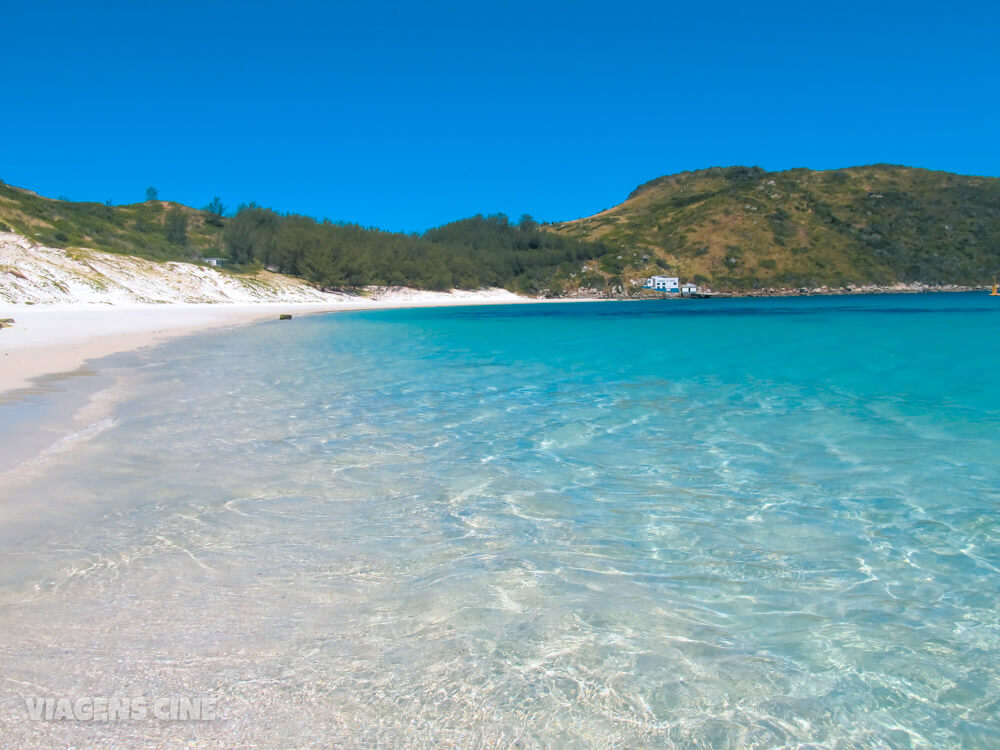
47	339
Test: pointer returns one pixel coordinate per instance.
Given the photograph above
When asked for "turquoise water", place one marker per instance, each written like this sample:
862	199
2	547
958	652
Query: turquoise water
733	523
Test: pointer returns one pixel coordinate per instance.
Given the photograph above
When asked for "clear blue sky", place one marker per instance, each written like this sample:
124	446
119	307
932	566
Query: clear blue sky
407	115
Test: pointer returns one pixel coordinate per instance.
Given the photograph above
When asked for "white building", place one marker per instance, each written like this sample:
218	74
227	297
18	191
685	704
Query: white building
663	283
215	261
688	288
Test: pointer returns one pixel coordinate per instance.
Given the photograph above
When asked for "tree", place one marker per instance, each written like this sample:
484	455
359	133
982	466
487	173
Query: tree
214	212
251	235
216	207
175	226
151	194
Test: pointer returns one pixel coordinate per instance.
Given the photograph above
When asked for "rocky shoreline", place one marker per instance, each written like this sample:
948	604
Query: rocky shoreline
913	288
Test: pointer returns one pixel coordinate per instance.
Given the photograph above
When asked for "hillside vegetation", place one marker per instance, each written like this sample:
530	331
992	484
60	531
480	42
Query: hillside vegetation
474	253
744	228
157	230
735	228
483	251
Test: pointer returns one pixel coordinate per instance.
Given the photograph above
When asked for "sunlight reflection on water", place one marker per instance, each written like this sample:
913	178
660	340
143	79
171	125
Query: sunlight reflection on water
582	525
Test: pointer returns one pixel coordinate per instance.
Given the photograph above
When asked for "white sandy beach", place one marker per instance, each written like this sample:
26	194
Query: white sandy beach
54	338
69	307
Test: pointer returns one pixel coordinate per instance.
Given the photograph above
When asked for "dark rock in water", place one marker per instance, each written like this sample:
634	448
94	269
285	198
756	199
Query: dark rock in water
284	316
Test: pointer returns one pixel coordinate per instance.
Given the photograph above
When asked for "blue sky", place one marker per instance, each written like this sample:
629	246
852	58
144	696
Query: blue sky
407	115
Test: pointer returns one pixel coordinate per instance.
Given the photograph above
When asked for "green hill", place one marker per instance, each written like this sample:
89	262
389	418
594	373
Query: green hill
482	251
744	228
735	228
157	230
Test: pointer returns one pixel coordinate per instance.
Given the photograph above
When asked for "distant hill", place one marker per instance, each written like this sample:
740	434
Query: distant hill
743	228
732	228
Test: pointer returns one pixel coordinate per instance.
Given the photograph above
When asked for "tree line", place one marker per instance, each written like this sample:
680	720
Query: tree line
482	251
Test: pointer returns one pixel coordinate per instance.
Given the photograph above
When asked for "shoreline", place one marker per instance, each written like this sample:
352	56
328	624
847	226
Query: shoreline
54	339
851	291
49	345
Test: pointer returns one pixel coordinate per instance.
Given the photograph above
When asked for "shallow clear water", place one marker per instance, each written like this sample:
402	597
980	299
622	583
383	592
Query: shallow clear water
733	523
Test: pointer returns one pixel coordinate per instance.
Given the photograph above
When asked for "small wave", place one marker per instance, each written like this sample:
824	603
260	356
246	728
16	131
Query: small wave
32	468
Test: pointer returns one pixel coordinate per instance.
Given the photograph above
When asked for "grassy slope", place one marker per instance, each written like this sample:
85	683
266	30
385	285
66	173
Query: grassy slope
137	229
741	228
733	228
